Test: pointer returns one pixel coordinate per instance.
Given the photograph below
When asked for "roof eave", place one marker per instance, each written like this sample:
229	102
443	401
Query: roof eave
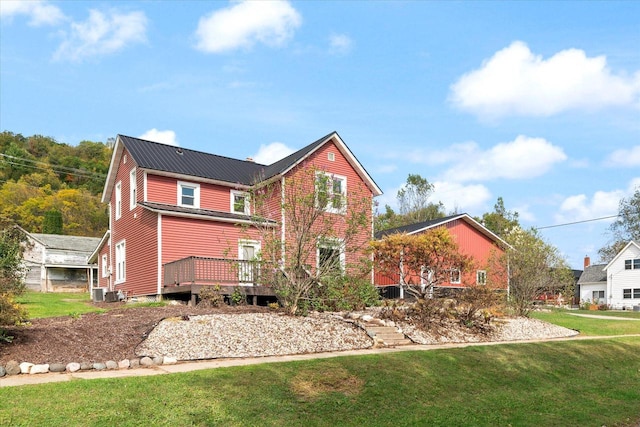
619	254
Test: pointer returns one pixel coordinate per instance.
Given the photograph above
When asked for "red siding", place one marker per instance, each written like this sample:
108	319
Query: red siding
162	189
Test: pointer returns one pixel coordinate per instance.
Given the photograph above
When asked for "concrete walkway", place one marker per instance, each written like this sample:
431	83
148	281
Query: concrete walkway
28	379
598	316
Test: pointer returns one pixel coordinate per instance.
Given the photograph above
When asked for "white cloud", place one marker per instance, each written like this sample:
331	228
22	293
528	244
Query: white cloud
39	12
463	198
340	44
162	136
245	23
102	34
625	158
521	158
271	153
514	81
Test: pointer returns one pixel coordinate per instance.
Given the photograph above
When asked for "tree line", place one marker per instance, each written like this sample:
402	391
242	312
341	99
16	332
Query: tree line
52	187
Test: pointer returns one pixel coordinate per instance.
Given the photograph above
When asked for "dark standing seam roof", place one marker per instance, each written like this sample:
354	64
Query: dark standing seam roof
170	158
172	209
415	227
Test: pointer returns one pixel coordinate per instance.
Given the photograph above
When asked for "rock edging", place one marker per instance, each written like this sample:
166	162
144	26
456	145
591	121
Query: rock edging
25	368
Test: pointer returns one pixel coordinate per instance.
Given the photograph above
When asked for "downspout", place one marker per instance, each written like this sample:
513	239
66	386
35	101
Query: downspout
159	284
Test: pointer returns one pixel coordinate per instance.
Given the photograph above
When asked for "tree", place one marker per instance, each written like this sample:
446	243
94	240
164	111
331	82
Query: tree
52	223
534	267
625	228
309	233
413	205
500	221
11	275
422	261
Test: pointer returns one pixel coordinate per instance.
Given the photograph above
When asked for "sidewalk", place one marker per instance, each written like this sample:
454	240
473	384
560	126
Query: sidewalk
599	316
29	379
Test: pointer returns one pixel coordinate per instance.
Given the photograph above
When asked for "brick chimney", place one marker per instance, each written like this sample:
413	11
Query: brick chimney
587	261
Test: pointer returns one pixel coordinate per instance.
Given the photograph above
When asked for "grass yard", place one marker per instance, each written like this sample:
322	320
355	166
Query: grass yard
590	326
577	383
45	304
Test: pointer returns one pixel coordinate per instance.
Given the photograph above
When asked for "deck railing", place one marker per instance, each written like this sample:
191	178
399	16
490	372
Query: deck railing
202	270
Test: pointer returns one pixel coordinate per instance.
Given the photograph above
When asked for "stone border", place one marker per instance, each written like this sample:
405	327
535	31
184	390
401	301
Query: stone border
25	368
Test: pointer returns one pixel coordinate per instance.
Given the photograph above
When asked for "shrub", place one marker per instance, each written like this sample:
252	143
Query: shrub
210	297
340	293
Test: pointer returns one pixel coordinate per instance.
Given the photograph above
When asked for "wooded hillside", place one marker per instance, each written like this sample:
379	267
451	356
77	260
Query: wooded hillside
53	187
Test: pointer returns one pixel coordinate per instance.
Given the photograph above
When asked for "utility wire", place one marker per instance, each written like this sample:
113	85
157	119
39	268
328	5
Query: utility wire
54	168
577	222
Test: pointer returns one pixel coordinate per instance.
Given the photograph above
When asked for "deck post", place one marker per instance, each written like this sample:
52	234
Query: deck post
194	299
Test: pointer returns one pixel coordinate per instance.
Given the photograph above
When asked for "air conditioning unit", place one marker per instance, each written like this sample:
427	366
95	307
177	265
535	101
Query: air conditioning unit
98	294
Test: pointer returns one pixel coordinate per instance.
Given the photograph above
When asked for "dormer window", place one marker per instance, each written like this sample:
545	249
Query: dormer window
188	194
239	202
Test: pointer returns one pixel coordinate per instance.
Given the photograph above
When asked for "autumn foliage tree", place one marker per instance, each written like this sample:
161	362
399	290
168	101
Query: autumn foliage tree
311	233
422	261
11	275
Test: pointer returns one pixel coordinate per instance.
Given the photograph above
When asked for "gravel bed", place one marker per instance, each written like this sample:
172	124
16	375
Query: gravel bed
270	334
251	335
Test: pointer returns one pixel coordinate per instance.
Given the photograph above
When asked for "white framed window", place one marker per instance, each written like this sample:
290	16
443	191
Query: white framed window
121	262
330	256
331	157
249	268
133	189
632	264
631	293
118	200
240	202
455	277
597	295
481	277
331	192
188	194
105	266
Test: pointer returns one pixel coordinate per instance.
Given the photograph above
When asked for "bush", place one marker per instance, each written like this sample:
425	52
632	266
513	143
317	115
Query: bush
11	275
343	293
210	297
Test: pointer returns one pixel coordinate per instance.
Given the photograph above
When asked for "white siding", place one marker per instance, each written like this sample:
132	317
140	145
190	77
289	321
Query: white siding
586	292
618	279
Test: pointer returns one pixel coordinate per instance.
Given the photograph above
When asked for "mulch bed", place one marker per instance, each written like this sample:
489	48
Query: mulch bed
94	337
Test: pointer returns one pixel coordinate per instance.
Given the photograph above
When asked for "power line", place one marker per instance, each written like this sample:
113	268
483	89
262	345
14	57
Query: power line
55	168
577	222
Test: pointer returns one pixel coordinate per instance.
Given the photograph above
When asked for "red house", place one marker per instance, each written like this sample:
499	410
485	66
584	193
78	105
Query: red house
182	219
473	239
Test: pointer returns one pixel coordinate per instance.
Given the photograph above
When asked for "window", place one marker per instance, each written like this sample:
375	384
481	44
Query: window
249	272
626	293
239	202
133	190
455	276
636	293
121	257
632	264
118	200
330	258
105	266
331	157
188	194
597	295
481	277
331	192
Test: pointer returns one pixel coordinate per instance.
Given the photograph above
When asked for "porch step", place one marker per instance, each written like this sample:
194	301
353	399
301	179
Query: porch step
387	336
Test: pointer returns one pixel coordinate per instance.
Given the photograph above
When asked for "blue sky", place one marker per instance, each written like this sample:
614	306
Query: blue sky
535	102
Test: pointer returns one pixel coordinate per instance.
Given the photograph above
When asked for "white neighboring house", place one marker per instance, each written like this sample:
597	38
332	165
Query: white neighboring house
623	278
57	263
593	283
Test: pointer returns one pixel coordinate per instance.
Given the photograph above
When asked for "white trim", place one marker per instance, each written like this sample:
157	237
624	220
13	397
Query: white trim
104	266
621	252
478	273
331	243
247	205
284	221
457	282
257	247
196	194
330	193
121	262
159	227
144	185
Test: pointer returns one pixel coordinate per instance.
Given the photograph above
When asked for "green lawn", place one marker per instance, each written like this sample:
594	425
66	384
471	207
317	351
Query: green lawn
576	383
589	326
45	304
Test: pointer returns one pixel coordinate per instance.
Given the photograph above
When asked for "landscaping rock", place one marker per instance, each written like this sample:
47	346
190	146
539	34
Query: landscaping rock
39	369
58	367
73	367
111	364
366	318
134	363
3	371
124	364
12	367
169	360
99	366
86	366
157	360
146	361
25	367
